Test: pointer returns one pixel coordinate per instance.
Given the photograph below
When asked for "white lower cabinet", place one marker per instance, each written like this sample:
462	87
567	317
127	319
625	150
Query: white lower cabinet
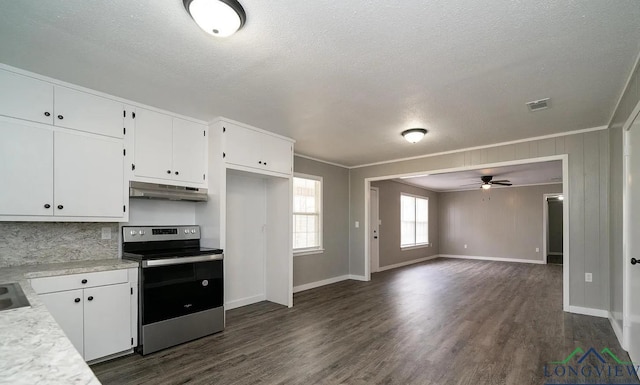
67	309
99	321
107	320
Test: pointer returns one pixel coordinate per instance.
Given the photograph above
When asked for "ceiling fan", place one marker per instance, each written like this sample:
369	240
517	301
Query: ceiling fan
487	182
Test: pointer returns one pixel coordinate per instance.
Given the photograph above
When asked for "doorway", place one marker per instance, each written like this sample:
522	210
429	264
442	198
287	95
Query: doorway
553	230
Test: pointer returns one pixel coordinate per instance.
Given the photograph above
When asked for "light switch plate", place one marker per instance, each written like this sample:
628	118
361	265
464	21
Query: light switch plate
357	224
588	277
106	233
465	245
537	249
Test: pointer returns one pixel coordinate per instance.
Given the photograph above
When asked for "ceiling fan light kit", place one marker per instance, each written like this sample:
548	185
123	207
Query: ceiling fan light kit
414	135
220	18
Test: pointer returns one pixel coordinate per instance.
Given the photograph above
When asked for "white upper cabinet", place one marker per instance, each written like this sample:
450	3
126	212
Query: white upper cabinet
26	168
168	148
26	98
153	147
89	175
57	174
189	151
258	150
23	97
90	113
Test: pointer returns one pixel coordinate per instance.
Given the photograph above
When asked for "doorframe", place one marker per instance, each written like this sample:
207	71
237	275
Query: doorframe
564	158
376	266
626	253
545	224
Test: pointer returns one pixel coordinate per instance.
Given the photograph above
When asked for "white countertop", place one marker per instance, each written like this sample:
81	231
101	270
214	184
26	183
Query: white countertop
33	348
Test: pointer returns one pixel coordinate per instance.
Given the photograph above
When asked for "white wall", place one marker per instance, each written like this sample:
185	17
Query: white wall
155	212
496	223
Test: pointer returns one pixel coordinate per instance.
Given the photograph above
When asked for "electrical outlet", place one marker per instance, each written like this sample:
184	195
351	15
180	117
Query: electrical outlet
537	249
106	233
357	224
588	277
465	245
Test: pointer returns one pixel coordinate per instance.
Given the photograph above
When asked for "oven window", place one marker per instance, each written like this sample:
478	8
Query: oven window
177	290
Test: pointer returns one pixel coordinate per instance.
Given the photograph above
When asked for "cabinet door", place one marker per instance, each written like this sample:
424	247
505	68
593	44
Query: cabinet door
90	113
189	158
88	175
66	307
242	146
153	144
276	154
25	98
26	168
107	320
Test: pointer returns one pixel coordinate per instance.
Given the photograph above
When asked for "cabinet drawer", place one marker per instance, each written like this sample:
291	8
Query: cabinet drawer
75	281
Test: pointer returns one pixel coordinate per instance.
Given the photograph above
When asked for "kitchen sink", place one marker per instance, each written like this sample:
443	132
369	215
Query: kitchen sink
12	296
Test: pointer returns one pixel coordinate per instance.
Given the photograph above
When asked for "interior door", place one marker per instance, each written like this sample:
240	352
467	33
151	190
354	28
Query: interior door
632	224
374	228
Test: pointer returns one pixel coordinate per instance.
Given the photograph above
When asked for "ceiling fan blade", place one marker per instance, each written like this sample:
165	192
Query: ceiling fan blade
502	184
501	181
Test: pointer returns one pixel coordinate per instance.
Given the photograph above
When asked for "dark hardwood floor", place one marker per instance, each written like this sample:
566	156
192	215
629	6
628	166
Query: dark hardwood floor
439	322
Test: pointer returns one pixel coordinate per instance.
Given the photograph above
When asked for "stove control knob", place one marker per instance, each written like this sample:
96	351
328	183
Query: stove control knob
186	231
133	233
193	231
141	232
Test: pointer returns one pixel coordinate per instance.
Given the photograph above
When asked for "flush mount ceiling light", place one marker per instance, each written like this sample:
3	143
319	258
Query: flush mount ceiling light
217	17
414	135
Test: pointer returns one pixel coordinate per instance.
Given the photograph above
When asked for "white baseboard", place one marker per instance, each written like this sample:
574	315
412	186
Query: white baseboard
589	311
482	258
358	277
313	285
236	303
396	265
617	330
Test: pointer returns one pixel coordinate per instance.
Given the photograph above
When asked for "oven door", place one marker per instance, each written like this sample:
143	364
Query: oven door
175	290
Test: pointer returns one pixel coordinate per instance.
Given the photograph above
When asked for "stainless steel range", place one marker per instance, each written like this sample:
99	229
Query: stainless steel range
181	294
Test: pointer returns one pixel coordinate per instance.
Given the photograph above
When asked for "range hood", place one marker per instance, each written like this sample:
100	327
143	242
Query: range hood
163	191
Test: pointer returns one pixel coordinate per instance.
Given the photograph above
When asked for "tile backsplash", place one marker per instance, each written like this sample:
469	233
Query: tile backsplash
29	243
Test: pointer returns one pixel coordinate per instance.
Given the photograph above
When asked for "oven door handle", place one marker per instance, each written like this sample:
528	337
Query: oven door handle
181	261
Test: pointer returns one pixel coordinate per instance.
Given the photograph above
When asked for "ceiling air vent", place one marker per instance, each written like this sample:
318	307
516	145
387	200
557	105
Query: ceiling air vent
538	105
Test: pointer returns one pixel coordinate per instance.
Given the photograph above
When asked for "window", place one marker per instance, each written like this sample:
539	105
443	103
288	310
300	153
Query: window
414	221
307	214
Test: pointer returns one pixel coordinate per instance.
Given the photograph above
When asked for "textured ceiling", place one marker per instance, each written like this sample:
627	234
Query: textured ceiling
344	78
519	175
